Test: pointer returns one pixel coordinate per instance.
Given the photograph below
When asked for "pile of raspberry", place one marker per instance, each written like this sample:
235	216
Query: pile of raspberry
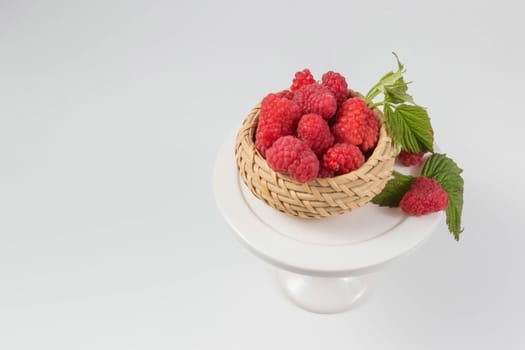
314	129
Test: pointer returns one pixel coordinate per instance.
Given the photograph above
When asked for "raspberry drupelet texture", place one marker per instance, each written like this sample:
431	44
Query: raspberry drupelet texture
409	158
324	172
285	93
302	78
424	197
355	123
278	117
291	156
342	158
315	98
315	132
336	83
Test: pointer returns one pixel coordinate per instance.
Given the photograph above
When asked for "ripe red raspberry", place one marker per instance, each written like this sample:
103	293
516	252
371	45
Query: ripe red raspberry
315	98
301	79
343	158
315	132
355	123
324	172
336	83
293	157
278	117
425	196
286	94
409	158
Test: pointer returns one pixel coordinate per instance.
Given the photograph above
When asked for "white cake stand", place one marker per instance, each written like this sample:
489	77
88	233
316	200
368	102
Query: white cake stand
317	260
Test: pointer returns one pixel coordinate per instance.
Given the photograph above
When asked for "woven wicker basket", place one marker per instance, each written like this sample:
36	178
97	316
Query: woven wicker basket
318	198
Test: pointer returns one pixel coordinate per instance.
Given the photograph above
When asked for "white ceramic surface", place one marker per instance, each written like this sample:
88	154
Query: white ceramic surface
365	242
324	295
331	249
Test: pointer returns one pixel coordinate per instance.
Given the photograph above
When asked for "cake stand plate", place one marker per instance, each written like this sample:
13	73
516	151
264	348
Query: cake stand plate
318	261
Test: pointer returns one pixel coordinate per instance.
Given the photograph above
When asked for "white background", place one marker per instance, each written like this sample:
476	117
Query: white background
111	114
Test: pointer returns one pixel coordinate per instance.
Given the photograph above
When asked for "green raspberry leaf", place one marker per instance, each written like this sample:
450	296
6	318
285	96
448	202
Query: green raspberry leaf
397	92
400	65
389	79
445	171
438	164
410	127
394	190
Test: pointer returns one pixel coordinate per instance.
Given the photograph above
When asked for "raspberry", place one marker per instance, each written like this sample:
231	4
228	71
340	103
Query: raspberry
291	156
315	98
409	158
355	123
325	172
315	132
425	196
286	94
278	117
336	83
343	158
302	78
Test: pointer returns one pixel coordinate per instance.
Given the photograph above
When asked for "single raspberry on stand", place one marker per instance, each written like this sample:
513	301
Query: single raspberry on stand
409	158
343	158
424	197
278	117
336	83
315	98
302	78
291	156
315	132
355	123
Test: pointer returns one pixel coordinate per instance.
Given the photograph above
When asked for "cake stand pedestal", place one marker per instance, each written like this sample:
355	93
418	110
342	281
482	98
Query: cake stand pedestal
319	262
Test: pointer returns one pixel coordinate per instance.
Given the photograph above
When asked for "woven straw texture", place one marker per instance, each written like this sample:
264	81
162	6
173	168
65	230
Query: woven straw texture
321	197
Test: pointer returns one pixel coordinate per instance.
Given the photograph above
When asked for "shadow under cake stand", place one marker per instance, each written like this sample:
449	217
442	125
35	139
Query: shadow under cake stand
318	261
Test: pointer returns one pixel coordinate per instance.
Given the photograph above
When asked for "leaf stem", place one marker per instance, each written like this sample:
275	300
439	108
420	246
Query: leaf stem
370	96
375	105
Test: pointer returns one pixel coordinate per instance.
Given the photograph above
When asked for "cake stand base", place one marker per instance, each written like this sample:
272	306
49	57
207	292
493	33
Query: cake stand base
318	261
323	295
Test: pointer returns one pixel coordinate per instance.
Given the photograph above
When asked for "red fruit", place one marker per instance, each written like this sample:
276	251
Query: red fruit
278	117
315	98
342	158
289	155
324	172
286	94
425	196
336	83
302	78
315	132
355	123
409	158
